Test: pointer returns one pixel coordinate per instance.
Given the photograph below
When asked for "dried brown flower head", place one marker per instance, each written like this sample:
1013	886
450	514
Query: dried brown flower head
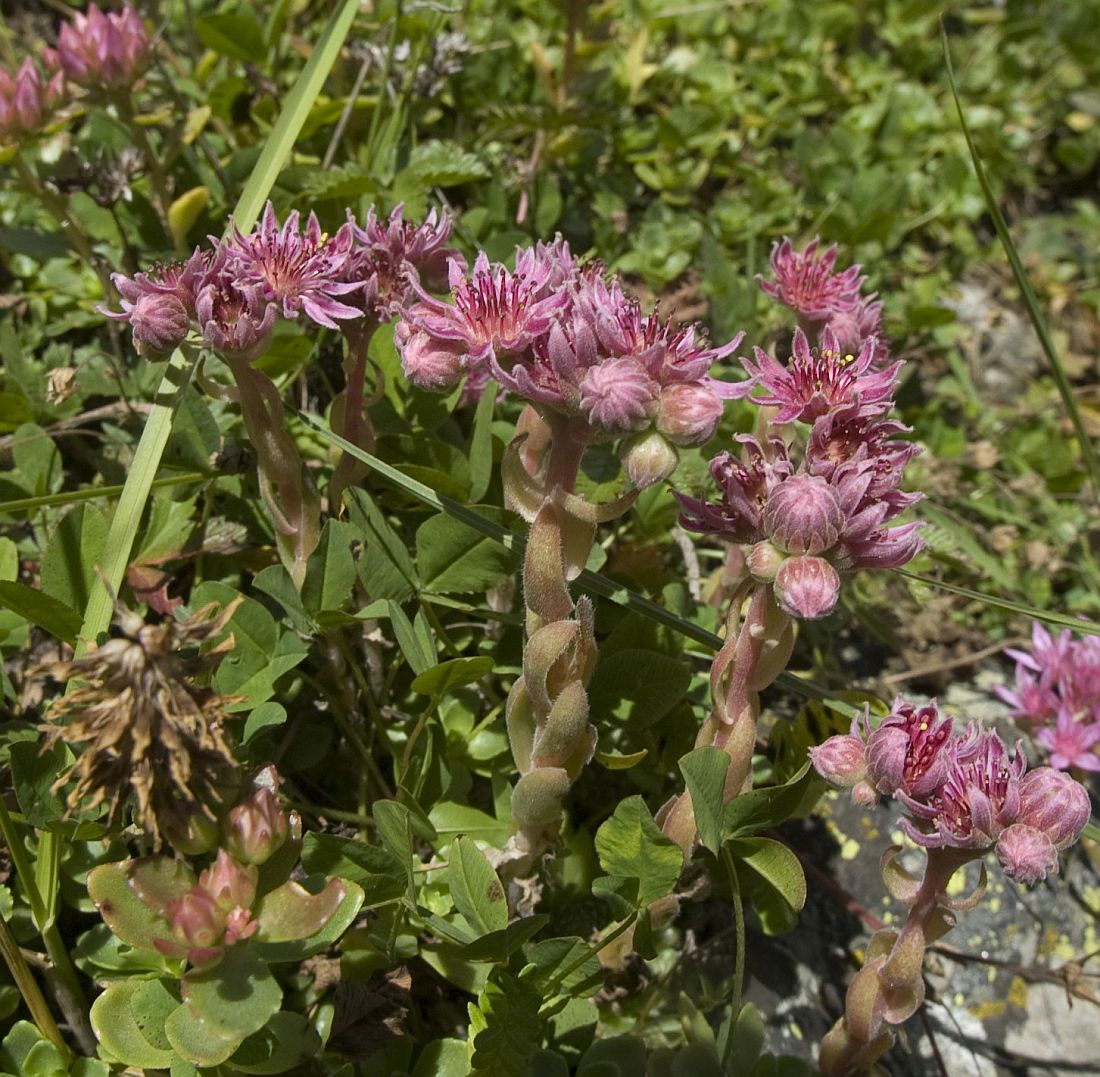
148	728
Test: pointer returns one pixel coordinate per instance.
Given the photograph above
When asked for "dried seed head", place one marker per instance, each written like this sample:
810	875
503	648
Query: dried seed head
147	728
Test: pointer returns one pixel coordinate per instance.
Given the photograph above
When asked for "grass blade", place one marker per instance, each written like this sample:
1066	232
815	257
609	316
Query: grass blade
295	109
93	493
1088	452
139	482
131	502
1062	620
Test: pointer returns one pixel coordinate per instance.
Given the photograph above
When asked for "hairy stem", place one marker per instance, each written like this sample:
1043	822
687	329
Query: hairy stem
349	414
889	988
286	489
755	650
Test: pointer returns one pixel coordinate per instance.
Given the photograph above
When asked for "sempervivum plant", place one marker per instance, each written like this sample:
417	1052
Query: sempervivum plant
965	795
1056	696
592	367
812	496
207	938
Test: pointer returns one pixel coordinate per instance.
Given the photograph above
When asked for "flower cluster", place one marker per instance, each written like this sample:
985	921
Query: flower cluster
961	791
806	511
232	293
560	335
807	282
102	51
26	100
1057	693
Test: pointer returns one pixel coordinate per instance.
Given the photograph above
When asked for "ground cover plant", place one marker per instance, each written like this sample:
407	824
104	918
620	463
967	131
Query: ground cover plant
473	479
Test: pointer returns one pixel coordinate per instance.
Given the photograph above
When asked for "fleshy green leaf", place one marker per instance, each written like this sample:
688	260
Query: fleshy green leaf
285	920
285	1041
291	912
234	998
196	1040
125	1037
124	912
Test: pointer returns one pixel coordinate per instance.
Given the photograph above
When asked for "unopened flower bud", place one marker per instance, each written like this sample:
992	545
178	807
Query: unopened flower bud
865	794
841	761
1026	854
197	921
807	587
688	414
256	828
648	458
1053	802
428	362
618	396
230	884
764	562
159	323
803	515
240	925
103	51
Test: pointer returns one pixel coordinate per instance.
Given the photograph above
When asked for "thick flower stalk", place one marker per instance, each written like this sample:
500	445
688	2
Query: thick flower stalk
1056	697
592	368
966	795
806	501
757	648
231	296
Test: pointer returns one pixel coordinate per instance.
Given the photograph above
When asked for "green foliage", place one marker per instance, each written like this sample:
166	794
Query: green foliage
378	685
632	848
